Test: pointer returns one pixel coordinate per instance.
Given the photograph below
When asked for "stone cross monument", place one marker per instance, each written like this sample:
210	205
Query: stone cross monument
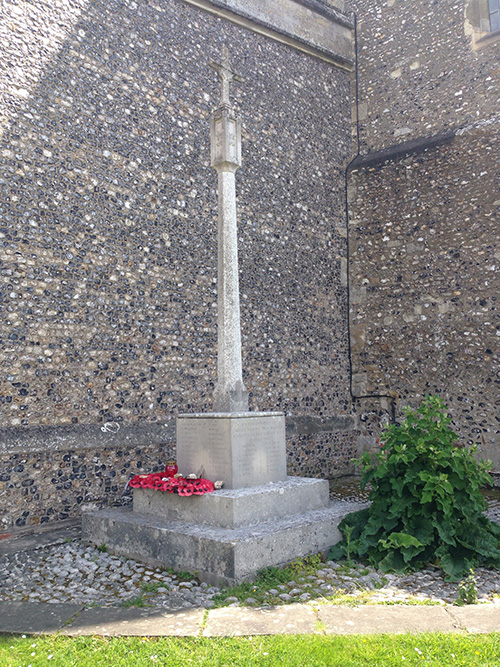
225	139
241	448
261	517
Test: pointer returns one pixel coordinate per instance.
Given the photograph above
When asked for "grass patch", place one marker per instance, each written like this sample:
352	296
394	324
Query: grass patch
272	578
364	597
273	581
153	586
182	576
293	651
134	602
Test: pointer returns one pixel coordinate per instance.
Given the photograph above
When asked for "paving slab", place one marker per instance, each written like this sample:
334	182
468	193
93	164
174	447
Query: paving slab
76	620
478	618
397	619
35	617
294	619
131	622
30	541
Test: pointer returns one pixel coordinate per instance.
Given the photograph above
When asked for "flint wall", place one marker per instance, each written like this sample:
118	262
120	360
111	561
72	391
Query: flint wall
108	240
423	204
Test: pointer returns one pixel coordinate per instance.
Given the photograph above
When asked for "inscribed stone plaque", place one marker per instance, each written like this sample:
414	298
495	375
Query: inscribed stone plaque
241	449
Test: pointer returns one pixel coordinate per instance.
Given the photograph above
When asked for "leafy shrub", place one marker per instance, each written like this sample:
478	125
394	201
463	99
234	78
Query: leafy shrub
426	503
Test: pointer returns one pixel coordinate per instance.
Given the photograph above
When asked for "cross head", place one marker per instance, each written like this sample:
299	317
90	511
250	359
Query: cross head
226	74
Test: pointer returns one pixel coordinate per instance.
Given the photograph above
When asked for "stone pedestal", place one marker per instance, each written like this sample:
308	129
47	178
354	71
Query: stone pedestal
237	508
241	449
259	519
226	536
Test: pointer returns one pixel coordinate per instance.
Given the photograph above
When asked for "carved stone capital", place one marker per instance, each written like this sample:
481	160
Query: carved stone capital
225	139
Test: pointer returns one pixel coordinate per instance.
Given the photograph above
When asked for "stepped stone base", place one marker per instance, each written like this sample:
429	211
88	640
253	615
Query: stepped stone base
235	508
227	554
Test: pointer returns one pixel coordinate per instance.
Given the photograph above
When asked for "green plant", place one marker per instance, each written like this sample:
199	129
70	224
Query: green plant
306	565
134	602
269	579
348	535
153	586
102	548
182	576
314	650
467	589
426	503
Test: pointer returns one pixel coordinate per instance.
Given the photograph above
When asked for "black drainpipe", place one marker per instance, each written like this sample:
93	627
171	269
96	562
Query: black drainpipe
354	398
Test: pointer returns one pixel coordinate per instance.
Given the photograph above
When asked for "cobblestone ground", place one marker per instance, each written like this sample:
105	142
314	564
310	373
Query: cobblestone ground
73	572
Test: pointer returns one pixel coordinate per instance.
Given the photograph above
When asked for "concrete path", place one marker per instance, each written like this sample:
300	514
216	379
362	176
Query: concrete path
318	618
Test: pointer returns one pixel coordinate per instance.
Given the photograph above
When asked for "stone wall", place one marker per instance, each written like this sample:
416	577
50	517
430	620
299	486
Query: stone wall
108	240
50	486
423	206
419	72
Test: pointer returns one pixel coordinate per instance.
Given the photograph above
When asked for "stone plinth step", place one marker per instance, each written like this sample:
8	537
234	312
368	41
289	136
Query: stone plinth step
234	508
220	556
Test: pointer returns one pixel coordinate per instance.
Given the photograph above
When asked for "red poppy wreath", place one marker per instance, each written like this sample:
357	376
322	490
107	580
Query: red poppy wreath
174	483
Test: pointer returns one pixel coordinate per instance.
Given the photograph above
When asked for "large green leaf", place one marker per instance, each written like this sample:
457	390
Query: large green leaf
455	567
393	562
396	540
446	532
422	529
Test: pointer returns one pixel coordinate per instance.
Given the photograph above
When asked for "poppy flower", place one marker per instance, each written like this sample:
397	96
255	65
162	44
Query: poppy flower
163	481
186	490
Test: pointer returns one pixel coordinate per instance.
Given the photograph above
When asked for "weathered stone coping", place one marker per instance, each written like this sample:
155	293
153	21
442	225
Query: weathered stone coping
19	440
306	25
83	436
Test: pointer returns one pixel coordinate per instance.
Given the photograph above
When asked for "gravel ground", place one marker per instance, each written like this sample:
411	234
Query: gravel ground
73	572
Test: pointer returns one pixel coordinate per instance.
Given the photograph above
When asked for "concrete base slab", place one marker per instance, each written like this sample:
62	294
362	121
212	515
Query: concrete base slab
239	621
242	449
478	618
35	617
131	622
220	556
237	507
376	619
